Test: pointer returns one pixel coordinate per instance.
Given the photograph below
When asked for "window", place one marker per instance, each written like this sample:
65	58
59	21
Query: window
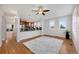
63	23
52	24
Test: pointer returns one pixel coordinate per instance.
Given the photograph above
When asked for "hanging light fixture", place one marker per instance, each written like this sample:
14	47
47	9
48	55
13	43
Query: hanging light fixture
40	10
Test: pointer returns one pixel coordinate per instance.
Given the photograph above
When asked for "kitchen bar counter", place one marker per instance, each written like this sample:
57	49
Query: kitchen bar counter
27	34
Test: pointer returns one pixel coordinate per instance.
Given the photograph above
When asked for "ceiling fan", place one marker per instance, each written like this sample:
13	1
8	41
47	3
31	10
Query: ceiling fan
40	10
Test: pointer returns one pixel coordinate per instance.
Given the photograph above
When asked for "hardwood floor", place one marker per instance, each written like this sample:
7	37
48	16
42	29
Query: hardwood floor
11	46
68	47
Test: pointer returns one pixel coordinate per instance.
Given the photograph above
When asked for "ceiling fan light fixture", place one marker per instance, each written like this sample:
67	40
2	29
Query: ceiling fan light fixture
41	10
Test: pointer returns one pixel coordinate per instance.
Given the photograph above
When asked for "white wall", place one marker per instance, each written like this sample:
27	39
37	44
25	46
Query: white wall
1	29
57	31
75	28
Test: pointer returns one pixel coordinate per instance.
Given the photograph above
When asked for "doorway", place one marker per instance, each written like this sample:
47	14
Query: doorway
10	28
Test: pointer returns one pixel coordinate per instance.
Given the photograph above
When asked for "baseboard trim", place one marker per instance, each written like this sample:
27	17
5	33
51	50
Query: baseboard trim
55	36
25	40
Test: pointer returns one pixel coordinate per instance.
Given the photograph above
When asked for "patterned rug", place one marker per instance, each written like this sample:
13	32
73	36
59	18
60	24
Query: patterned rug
44	45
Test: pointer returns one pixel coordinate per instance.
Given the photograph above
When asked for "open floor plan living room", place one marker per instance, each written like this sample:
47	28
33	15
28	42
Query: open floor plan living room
39	28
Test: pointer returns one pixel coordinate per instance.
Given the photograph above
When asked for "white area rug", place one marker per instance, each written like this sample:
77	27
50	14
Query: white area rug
44	45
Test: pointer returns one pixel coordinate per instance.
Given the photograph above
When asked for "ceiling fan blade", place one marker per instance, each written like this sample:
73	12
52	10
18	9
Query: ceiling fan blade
46	10
43	13
37	13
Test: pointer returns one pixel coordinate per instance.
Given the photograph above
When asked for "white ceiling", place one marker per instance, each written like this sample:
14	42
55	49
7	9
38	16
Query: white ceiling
25	10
